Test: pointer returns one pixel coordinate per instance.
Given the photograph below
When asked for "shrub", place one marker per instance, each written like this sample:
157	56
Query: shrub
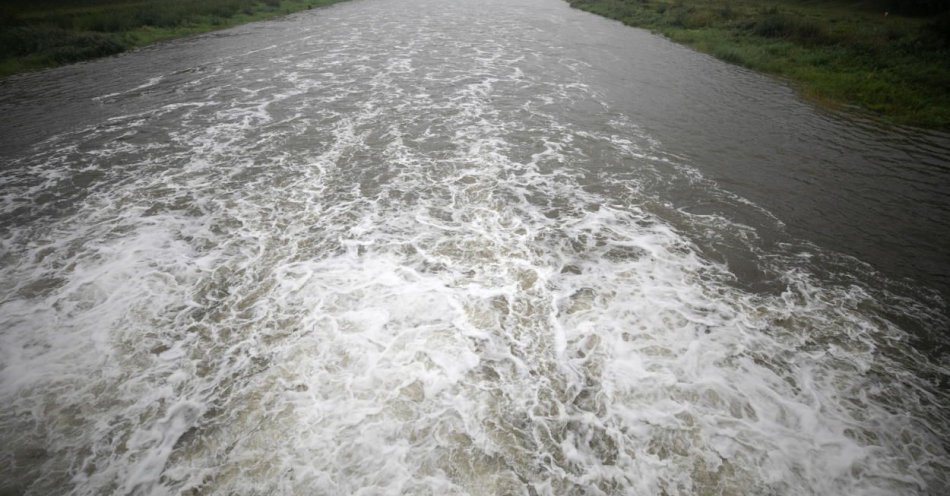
105	22
225	9
85	46
773	26
779	25
56	44
153	16
46	32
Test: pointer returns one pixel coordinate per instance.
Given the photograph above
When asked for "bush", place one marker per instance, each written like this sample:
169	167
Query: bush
104	22
56	44
726	12
773	26
49	32
779	25
224	9
157	17
15	42
85	46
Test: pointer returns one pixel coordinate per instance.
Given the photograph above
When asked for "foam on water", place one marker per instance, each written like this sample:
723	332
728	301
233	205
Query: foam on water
425	257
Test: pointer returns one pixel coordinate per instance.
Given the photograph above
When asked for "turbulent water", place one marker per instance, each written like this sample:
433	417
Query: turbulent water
431	247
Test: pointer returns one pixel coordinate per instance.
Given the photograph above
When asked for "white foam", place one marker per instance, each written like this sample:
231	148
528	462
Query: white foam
413	275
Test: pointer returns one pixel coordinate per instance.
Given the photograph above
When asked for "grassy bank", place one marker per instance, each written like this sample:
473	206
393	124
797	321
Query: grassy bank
43	33
839	52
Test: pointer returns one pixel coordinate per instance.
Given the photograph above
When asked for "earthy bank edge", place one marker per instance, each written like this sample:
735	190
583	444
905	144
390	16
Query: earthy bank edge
36	34
892	60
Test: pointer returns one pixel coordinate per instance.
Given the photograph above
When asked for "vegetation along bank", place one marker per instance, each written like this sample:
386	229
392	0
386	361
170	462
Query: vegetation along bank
35	34
887	57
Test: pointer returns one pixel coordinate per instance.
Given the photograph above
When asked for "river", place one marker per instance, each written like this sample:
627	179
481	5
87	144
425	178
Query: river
456	247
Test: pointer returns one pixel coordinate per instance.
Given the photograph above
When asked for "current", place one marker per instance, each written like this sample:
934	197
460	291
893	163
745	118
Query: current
438	247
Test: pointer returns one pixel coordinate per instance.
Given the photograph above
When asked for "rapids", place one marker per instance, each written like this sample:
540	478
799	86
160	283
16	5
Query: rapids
440	247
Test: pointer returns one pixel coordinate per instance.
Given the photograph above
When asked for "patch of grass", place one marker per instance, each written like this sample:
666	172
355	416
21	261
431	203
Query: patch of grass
778	24
844	53
36	34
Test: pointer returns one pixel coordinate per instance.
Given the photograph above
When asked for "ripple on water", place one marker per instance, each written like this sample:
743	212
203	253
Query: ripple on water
419	254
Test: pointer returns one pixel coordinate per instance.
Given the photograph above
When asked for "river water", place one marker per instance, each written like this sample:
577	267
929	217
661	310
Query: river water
455	247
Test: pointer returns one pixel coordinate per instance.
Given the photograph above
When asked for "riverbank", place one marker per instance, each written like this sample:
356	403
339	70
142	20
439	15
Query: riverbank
863	56
46	33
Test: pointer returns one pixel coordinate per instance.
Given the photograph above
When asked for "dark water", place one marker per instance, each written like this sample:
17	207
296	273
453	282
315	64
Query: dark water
445	247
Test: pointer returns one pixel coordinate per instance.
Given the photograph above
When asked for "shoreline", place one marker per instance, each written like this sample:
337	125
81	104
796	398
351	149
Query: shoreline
895	68
51	33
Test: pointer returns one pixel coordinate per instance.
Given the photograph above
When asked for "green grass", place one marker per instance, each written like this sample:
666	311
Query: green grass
841	53
36	34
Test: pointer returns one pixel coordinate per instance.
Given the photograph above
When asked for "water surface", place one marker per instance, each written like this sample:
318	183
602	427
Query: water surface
448	247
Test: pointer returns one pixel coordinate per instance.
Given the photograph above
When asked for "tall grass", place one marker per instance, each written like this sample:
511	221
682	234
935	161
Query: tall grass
44	33
839	52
